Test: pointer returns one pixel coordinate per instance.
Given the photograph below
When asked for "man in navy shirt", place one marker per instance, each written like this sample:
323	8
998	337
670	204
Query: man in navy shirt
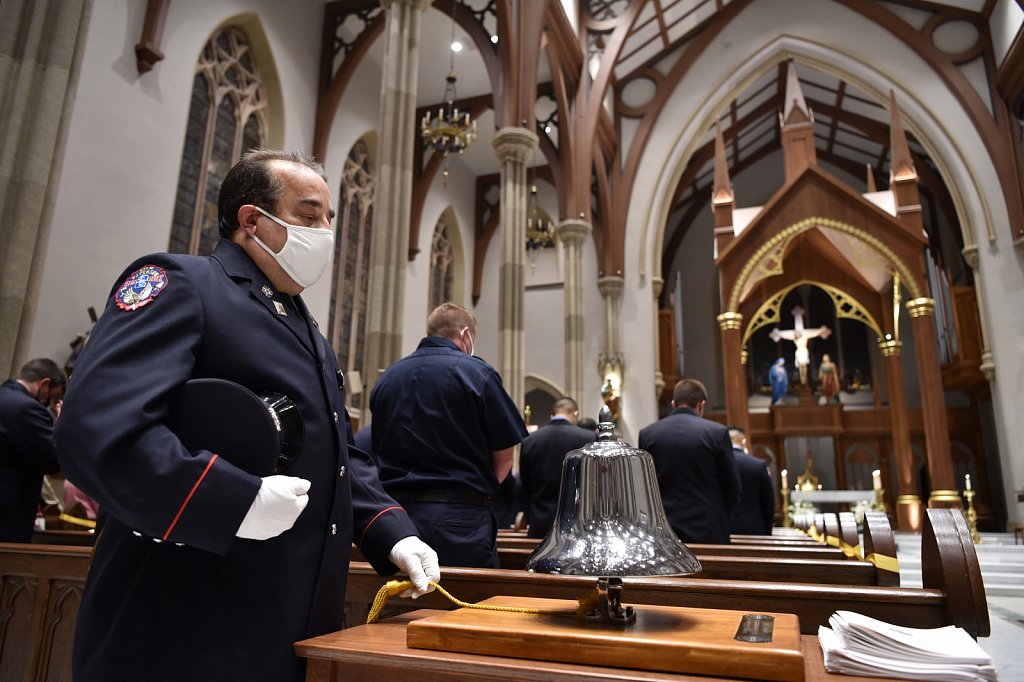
27	449
444	431
540	463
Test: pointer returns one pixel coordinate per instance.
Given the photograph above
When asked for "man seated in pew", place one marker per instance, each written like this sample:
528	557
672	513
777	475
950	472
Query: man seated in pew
696	470
540	463
754	514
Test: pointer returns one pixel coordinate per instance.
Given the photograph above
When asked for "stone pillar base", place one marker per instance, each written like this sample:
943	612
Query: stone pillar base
945	499
909	513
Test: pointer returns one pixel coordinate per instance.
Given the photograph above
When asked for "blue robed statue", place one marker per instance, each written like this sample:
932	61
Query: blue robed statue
779	379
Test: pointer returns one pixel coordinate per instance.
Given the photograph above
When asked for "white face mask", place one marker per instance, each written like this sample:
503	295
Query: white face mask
305	252
472	342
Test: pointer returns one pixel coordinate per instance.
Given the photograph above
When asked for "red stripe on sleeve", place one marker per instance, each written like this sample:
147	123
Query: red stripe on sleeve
374	519
188	499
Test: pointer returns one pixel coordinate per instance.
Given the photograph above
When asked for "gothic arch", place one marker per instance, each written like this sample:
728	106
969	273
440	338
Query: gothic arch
970	201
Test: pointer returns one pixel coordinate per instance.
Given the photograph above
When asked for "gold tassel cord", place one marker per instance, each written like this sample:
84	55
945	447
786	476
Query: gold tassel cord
880	561
396	587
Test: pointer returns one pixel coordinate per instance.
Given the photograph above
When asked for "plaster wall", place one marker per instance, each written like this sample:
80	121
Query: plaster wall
125	141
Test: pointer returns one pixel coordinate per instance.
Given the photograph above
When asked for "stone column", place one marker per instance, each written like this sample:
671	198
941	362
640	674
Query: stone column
736	411
609	361
988	365
933	405
514	148
572	233
389	249
909	510
41	44
657	284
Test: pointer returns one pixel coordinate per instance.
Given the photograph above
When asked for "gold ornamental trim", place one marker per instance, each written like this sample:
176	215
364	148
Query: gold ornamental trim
890	347
730	320
944	496
777	243
908	499
744	354
846	306
919	307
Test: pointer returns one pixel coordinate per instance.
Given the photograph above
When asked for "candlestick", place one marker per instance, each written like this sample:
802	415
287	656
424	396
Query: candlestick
876	478
785	479
972	517
967	482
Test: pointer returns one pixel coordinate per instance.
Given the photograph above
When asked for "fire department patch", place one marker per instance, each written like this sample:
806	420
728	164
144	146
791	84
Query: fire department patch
141	287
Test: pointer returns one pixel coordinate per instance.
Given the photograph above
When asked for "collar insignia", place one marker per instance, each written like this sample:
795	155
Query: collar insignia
267	291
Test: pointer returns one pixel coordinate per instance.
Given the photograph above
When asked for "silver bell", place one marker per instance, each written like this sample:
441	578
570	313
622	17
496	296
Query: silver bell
610	520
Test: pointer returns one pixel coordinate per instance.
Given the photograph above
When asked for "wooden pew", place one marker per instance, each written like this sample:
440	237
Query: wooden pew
40	592
952	592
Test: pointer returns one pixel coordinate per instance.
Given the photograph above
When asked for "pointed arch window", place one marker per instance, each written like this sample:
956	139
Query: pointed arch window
441	260
226	118
350	279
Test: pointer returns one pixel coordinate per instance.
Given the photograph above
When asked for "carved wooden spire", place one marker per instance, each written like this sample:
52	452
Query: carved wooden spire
797	131
902	175
722	198
902	166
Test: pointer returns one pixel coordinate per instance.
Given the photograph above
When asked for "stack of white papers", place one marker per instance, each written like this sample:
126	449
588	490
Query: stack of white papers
859	645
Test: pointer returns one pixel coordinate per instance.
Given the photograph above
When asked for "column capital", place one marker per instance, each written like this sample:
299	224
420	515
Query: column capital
421	5
610	286
919	307
572	231
970	253
988	365
514	144
890	347
730	320
657	285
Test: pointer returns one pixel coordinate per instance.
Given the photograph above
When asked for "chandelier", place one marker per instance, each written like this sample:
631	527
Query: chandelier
540	230
451	130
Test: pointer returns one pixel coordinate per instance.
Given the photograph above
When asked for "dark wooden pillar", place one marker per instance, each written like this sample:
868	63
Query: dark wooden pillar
933	405
735	373
909	509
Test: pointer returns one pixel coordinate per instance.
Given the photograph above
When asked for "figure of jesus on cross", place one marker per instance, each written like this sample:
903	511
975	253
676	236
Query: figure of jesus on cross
800	336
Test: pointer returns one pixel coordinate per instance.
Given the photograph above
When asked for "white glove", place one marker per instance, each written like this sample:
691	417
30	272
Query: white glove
419	562
277	505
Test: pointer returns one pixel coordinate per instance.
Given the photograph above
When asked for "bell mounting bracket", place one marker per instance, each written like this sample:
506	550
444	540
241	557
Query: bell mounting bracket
608	607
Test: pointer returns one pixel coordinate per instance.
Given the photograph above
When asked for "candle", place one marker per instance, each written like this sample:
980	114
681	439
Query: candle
967	482
876	478
785	479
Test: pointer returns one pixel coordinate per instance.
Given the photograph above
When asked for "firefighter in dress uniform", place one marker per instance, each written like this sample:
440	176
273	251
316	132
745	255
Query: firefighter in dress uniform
204	570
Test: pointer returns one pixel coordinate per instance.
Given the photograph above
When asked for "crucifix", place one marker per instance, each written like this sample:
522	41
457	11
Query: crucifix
800	336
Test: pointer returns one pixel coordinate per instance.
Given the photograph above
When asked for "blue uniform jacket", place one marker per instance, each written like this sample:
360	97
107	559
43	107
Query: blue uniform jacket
27	452
754	514
172	594
540	468
696	474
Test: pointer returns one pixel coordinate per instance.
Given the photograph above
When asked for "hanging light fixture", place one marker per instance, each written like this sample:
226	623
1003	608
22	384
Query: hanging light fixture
540	230
451	130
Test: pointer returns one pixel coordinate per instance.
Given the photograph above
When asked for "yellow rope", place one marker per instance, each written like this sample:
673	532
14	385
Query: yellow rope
395	587
88	523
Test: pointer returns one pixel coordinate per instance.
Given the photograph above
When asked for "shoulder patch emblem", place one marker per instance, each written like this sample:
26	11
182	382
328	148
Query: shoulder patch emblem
141	287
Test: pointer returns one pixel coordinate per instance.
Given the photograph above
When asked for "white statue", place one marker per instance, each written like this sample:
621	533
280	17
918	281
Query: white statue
800	336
